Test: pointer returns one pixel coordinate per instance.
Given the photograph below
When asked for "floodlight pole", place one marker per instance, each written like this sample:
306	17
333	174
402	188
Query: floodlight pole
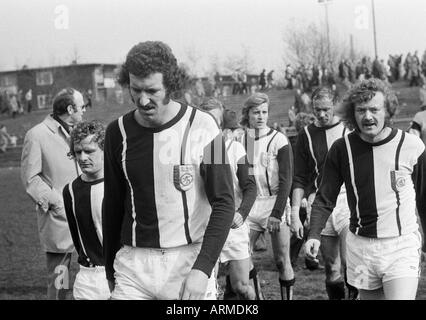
374	29
328	30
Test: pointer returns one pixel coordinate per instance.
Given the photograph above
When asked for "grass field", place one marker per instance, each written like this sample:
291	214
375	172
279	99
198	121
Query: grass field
22	267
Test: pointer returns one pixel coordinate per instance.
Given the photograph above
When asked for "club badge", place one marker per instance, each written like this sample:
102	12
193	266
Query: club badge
398	180
183	176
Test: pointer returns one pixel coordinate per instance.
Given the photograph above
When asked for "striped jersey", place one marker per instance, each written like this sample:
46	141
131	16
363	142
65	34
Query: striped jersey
167	186
382	180
311	150
83	207
270	155
245	188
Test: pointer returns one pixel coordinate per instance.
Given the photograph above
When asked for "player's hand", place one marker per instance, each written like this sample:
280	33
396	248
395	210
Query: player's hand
194	286
312	248
273	224
238	221
304	203
296	226
111	285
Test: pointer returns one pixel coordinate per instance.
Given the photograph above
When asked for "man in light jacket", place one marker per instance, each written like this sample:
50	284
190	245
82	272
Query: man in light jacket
45	169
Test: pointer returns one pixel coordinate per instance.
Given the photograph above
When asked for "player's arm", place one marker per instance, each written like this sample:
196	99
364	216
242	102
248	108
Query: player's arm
113	204
31	175
419	179
71	219
285	178
325	199
247	183
303	170
217	178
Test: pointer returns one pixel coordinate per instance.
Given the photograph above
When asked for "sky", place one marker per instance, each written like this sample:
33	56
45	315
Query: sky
51	32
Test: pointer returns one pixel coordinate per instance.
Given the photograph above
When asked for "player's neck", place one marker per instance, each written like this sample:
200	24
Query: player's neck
90	177
382	135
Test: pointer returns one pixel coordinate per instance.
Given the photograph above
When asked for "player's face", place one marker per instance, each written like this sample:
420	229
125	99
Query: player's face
89	156
78	109
258	116
324	111
149	95
370	116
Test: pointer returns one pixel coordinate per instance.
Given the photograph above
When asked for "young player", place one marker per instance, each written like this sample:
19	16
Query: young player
83	206
270	154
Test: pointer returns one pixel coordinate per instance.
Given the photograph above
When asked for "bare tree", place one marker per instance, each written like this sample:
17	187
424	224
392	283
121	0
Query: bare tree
192	61
308	44
242	61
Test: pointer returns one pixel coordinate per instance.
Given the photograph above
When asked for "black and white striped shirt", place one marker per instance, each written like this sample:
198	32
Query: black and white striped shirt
269	152
83	207
384	183
310	152
167	187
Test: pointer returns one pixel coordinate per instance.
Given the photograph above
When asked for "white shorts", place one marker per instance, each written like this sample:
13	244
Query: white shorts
372	261
339	218
237	245
155	274
91	284
261	211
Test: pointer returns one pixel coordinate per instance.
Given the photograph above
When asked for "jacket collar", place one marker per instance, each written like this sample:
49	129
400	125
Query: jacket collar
55	126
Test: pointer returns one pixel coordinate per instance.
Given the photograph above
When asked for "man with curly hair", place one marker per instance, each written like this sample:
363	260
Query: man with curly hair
313	143
169	198
83	206
384	171
45	170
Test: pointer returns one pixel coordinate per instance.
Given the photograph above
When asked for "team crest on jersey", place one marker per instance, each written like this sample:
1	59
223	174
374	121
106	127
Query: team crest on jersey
265	158
183	176
398	180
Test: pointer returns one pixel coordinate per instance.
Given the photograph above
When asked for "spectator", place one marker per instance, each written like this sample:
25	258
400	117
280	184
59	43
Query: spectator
262	80
4	138
45	170
28	99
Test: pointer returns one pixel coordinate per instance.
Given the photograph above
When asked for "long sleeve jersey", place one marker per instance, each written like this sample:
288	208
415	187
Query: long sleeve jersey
310	152
167	187
245	189
271	158
83	207
384	183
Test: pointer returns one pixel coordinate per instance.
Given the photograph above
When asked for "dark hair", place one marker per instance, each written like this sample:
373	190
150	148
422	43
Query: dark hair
62	100
363	92
87	128
150	57
254	100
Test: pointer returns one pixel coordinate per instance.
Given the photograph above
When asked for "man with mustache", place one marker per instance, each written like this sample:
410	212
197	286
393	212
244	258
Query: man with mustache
169	198
384	171
310	151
